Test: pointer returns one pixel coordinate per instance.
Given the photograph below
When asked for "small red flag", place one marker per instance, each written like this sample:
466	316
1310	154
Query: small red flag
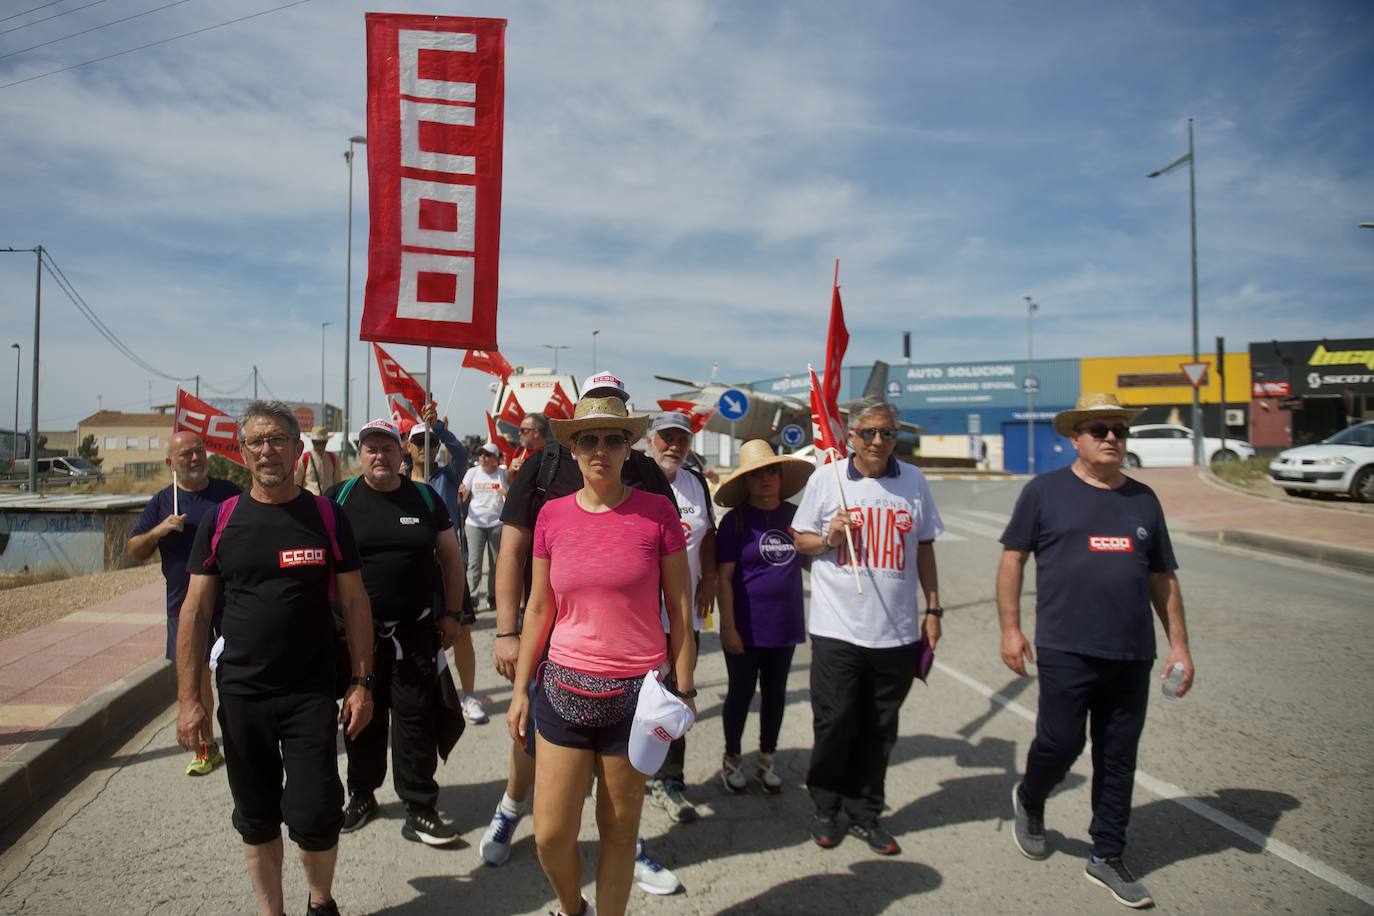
406	396
836	343
826	429
494	434
217	429
490	362
511	411
559	407
697	414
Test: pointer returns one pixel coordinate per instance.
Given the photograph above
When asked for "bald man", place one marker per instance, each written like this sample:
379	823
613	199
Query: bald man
170	527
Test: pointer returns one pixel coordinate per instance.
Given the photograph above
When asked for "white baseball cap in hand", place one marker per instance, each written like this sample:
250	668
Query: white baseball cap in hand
660	719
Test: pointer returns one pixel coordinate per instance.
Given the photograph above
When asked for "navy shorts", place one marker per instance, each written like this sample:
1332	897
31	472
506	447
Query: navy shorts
608	740
174	622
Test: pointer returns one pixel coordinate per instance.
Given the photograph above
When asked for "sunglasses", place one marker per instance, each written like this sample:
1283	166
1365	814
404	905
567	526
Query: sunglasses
1099	431
587	442
888	433
771	470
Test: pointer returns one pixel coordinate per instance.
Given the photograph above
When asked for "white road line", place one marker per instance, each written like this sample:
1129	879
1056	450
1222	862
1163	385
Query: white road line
954	520
1177	794
1000	518
951	536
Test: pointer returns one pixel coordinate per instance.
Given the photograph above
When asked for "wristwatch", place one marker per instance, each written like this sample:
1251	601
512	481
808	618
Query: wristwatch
935	611
683	694
367	681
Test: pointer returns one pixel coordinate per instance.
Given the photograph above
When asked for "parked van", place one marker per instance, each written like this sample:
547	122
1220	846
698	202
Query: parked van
67	468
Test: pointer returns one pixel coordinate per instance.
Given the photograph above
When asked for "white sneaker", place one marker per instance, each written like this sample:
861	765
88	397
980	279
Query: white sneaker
765	774
495	845
650	876
472	708
732	775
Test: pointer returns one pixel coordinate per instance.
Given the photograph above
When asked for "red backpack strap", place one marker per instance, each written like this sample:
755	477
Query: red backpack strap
222	514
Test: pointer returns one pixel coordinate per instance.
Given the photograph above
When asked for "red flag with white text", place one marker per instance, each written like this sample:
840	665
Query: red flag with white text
435	125
559	406
218	430
490	362
500	441
403	393
511	411
826	429
697	414
836	343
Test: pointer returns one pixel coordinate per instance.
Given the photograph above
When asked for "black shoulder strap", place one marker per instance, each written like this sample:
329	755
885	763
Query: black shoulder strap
706	491
548	467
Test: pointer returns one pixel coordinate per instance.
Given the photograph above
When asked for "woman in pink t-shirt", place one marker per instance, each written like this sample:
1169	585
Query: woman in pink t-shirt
601	558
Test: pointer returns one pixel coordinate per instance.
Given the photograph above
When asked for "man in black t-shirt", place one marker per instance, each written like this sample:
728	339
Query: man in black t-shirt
1103	557
401	529
168	526
545	475
279	555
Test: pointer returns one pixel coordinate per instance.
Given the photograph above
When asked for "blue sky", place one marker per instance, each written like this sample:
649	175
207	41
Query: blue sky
682	175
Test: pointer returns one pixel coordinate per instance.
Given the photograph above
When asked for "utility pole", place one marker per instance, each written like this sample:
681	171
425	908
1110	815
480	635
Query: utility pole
1030	384
37	321
255	383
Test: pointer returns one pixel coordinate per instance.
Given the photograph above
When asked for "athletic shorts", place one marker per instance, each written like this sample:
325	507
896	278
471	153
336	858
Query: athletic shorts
467	616
609	740
173	624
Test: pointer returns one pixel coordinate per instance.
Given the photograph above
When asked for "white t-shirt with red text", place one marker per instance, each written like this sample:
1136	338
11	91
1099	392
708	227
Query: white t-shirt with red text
484	511
897	512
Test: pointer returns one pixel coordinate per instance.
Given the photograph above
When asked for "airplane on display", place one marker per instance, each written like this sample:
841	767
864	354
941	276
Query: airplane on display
766	414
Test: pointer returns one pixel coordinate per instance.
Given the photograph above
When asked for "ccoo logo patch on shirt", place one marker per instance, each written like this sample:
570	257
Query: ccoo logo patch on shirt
903	521
302	556
1099	543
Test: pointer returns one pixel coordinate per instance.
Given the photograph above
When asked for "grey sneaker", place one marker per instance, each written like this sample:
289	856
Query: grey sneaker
1029	832
650	875
668	793
1113	874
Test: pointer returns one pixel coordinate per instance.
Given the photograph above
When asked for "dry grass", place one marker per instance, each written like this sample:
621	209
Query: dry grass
35	577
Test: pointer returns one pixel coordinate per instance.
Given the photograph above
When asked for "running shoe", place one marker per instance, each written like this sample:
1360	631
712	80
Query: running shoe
765	774
496	842
204	763
361	808
650	875
426	826
1029	828
1113	874
878	839
472	708
587	910
668	793
732	776
328	908
825	831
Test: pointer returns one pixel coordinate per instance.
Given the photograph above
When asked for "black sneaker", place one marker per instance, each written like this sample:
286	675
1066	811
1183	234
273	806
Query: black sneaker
825	831
361	808
322	909
1029	829
428	828
1113	874
878	839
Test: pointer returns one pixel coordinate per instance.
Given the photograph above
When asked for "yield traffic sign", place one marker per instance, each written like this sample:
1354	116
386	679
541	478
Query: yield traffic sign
1196	372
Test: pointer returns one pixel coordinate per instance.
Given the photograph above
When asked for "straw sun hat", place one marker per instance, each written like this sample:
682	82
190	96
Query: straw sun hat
756	454
599	413
1093	406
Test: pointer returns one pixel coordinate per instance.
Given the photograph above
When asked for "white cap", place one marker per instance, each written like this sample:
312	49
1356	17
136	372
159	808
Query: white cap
492	449
660	719
383	426
602	385
418	430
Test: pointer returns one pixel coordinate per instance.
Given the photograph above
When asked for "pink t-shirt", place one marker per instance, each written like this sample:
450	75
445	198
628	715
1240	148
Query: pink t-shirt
604	570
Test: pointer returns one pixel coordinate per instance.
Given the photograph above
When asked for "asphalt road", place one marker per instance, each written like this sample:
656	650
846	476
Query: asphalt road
1254	792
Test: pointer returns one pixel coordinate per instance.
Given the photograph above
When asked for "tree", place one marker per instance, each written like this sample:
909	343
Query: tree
87	449
231	471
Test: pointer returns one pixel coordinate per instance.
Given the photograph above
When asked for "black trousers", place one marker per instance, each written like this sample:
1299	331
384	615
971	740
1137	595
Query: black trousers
767	668
1111	697
293	734
402	705
856	695
677	751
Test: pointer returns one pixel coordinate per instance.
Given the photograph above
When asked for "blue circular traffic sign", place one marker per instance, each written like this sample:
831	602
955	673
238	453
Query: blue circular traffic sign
792	435
733	403
1030	384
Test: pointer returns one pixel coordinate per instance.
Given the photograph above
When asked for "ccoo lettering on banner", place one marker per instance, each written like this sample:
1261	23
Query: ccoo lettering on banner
218	430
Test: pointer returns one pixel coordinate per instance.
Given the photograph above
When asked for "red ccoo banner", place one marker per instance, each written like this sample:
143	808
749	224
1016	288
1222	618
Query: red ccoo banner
435	122
218	430
405	395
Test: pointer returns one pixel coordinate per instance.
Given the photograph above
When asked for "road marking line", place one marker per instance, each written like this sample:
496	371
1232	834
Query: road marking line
1000	518
964	524
1174	793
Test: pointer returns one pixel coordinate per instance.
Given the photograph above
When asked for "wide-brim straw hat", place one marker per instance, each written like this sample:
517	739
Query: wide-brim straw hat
1093	406
756	454
599	413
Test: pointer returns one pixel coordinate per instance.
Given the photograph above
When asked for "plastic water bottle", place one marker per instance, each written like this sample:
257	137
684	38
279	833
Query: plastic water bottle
1174	682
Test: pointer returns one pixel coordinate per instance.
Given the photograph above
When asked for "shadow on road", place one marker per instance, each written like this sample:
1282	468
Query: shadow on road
869	889
1014	688
1163	832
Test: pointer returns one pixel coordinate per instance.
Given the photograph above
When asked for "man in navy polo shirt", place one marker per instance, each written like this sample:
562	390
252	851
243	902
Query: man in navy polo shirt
168	525
1102	558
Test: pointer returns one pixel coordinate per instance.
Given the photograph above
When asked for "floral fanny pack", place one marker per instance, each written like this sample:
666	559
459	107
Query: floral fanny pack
589	699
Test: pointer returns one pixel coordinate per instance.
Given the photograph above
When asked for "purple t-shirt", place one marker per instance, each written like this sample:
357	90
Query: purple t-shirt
767	584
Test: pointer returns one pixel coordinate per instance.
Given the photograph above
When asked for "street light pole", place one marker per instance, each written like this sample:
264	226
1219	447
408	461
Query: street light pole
346	448
555	349
594	333
1030	389
33	416
322	421
14	437
1198	444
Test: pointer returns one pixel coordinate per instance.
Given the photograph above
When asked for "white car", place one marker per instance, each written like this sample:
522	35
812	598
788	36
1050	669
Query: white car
1166	445
1343	463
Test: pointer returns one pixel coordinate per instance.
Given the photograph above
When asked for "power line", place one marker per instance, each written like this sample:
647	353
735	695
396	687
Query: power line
153	44
50	18
32	9
94	28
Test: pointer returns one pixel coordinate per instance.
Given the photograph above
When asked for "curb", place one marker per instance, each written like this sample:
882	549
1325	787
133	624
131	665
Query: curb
1208	476
62	747
1345	557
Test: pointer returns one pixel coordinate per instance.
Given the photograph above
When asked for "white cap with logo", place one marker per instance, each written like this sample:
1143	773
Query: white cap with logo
660	719
604	385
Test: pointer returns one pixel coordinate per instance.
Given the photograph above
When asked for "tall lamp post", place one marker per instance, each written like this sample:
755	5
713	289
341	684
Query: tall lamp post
1198	459
1030	384
594	333
555	348
14	434
347	448
322	421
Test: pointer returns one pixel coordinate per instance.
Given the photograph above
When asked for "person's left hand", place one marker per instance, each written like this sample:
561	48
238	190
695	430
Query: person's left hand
357	710
706	597
449	631
430	414
1180	654
932	630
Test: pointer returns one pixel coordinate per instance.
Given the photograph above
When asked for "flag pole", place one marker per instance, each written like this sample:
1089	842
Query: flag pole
174	470
428	432
848	533
454	387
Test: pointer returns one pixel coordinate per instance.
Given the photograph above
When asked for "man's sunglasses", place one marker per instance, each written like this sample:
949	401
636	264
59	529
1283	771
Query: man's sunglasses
588	442
1099	431
887	432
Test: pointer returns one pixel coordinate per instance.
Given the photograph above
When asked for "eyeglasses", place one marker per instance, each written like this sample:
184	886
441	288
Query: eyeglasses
587	442
1099	431
888	433
529	429
275	443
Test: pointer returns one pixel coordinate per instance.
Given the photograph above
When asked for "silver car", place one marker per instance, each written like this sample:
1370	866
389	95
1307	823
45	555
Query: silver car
1343	463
